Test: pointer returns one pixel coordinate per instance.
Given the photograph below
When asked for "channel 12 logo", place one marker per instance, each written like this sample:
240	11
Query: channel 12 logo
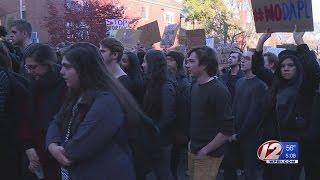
275	152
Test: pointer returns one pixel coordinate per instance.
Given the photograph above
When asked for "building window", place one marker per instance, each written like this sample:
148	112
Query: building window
168	17
145	12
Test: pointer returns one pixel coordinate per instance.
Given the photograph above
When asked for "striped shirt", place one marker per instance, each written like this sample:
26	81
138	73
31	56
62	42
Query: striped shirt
4	91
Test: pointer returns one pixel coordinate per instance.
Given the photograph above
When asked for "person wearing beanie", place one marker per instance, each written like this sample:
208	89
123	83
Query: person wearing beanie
288	105
175	62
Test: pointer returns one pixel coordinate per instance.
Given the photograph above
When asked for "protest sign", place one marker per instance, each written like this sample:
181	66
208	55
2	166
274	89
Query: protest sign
224	51
282	15
151	34
195	38
273	50
115	24
169	35
210	42
128	37
292	47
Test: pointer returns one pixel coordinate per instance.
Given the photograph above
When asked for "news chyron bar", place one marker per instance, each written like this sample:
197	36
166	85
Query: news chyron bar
275	152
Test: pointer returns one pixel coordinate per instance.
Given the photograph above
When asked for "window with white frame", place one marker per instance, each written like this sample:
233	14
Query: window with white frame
169	17
144	12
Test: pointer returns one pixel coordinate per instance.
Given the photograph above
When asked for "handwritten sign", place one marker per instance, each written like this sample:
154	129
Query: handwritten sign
151	33
169	35
224	51
128	37
282	15
195	38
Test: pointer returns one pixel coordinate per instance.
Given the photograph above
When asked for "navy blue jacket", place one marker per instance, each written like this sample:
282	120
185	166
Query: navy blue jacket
98	146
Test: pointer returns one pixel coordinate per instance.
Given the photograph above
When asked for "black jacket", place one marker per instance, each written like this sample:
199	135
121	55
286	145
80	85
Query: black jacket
289	121
9	152
231	82
162	109
312	135
183	104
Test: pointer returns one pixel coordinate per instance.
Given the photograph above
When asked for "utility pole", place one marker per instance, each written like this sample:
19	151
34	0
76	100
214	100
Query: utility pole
20	8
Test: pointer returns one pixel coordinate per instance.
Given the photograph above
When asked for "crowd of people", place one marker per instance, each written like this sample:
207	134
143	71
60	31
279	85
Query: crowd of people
79	111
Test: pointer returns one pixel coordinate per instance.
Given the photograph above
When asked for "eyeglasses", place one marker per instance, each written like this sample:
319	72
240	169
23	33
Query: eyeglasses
30	67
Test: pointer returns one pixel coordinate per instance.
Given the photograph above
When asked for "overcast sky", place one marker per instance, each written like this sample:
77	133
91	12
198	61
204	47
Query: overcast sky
316	10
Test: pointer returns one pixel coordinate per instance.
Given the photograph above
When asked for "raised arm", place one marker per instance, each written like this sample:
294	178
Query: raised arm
258	68
308	60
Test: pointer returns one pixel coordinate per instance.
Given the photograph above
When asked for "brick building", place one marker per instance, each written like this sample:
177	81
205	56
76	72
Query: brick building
165	11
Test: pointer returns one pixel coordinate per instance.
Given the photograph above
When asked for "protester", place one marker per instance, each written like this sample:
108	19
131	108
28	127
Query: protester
231	77
287	109
131	66
48	90
270	61
87	136
5	56
3	33
311	136
112	51
21	31
21	34
175	62
232	161
15	61
60	48
211	115
247	108
9	128
160	105
141	53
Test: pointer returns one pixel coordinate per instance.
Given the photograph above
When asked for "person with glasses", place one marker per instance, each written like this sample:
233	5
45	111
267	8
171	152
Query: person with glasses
248	100
48	90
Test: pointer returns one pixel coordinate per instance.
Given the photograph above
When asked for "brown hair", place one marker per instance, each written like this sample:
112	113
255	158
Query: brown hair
208	57
22	26
272	58
114	46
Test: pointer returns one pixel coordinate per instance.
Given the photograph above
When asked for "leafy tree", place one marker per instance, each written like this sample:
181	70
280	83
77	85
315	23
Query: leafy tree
221	19
81	20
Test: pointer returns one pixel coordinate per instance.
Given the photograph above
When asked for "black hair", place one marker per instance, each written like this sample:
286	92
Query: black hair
41	53
141	55
134	71
157	74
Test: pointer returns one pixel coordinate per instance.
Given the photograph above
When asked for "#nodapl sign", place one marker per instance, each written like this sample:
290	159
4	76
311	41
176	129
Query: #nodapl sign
282	15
